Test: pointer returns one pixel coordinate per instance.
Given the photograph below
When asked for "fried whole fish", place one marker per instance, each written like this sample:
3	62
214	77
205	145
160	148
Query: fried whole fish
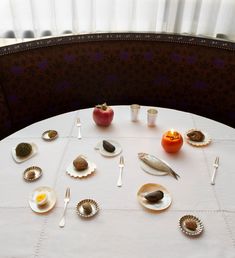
157	164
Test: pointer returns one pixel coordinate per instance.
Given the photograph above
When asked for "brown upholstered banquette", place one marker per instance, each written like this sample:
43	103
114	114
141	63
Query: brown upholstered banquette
46	77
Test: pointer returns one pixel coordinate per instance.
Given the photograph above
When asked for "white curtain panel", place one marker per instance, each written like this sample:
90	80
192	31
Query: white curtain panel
22	19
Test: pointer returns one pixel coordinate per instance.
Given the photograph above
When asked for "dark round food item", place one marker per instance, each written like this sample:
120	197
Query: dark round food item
191	225
80	163
23	149
196	136
31	175
155	196
87	208
108	146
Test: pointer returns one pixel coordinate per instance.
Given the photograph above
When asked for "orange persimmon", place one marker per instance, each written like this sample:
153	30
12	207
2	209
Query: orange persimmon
172	141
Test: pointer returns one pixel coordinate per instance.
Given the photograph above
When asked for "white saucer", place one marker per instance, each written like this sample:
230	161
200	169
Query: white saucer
159	206
71	171
118	149
20	160
51	199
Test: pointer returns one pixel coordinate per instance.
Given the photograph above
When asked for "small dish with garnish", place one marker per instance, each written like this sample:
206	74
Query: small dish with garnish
191	225
109	148
154	197
50	135
24	151
80	167
42	199
197	138
87	208
32	173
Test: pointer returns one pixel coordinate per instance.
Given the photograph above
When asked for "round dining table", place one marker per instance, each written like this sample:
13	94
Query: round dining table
122	227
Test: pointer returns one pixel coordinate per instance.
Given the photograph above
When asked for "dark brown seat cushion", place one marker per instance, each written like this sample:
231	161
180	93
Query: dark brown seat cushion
48	77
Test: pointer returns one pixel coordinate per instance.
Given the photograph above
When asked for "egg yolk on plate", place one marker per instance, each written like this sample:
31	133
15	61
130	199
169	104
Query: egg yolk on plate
40	197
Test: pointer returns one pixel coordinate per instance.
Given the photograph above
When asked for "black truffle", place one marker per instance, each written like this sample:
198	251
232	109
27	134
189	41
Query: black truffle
23	149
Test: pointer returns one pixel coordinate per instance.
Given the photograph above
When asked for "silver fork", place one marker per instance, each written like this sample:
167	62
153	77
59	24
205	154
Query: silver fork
215	165
66	201
79	128
121	166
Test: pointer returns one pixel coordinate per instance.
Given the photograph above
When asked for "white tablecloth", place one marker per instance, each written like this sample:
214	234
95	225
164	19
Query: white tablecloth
122	228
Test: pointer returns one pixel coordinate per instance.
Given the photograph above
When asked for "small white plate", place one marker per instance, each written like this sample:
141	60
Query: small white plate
20	160
51	199
118	149
163	204
205	142
71	171
152	171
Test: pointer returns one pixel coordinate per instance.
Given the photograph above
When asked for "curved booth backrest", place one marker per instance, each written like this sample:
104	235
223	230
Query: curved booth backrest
47	77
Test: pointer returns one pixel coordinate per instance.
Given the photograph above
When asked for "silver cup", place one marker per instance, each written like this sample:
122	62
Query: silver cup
151	116
134	112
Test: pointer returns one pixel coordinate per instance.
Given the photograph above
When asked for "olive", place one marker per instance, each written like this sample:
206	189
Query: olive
108	146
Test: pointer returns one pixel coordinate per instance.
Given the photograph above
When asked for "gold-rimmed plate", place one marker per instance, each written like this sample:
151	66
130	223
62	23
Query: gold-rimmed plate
118	149
82	213
32	173
163	204
182	225
51	199
50	135
71	171
22	159
205	142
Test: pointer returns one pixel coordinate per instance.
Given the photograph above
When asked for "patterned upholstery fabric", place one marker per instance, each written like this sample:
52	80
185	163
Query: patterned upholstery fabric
49	80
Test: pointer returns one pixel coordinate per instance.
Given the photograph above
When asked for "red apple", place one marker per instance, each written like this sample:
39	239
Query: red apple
103	115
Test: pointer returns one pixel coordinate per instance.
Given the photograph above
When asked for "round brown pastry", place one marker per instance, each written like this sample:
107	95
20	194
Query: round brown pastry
196	136
87	208
191	225
31	175
23	149
80	163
